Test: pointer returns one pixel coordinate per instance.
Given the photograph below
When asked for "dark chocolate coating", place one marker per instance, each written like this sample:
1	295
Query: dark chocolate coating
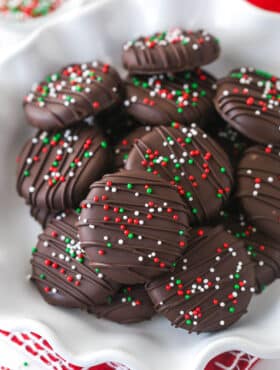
248	99
258	188
191	161
262	249
133	226
61	270
160	99
211	286
130	305
42	215
174	50
232	142
123	147
76	92
55	169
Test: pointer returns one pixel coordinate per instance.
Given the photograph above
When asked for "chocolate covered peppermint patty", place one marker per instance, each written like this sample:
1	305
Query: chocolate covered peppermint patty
211	286
258	188
160	99
248	99
174	50
61	269
74	93
55	169
133	226
191	161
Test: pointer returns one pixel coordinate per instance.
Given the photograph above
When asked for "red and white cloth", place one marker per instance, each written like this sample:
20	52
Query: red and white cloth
38	349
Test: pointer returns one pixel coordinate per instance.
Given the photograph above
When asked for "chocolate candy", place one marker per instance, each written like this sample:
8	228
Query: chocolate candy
61	270
133	226
174	50
76	92
248	99
262	249
160	99
259	188
211	286
130	305
124	146
191	161
55	169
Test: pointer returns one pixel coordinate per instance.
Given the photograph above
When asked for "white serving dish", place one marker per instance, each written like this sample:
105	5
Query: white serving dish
248	36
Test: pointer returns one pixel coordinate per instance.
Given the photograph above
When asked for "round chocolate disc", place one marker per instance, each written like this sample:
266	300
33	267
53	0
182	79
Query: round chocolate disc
211	286
160	99
133	226
55	169
61	270
174	50
259	188
76	92
248	99
191	161
130	305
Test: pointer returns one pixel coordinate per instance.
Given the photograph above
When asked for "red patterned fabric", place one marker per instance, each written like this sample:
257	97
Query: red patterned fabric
273	5
36	347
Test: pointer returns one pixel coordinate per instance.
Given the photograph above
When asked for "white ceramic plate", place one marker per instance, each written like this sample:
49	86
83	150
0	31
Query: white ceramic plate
248	36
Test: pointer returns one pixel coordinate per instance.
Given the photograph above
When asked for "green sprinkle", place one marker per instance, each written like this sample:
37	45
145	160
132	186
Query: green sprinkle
46	140
178	281
26	173
231	309
180	110
194	211
188	194
236	286
177	178
194	85
190	161
129	299
55	163
187	296
219	195
97	270
86	154
104	144
236	75
67	240
181	232
130	236
34	250
188	322
121	210
149	190
72	165
202	93
188	140
109	245
129	186
237	276
42	276
264	74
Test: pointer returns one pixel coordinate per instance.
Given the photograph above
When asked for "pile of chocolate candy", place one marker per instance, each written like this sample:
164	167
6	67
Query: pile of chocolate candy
156	193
